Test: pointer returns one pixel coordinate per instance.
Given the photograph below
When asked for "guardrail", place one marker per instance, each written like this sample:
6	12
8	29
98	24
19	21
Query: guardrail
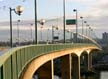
14	61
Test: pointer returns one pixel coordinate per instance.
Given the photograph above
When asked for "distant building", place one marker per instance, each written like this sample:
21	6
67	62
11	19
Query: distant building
105	37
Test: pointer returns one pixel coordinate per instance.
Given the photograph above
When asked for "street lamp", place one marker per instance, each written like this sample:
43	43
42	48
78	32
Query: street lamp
18	30
42	21
41	32
82	23
89	31
82	26
35	13
85	27
75	10
47	36
64	22
67	35
18	11
31	32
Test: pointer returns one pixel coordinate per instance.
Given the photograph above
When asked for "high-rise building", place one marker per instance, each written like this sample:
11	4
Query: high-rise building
105	37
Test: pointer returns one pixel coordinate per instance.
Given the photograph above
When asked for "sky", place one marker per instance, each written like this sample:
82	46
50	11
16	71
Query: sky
95	12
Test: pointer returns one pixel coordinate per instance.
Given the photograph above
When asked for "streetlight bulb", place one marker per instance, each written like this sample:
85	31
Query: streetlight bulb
81	17
19	10
42	21
56	28
74	10
87	25
85	21
18	20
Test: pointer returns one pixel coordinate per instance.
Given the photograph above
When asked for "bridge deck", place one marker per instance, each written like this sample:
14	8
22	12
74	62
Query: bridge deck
14	61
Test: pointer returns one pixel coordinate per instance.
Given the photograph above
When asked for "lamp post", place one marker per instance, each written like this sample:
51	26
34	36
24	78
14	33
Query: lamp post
31	32
71	38
68	33
82	23
47	36
53	33
35	10
64	22
18	30
42	21
85	26
82	26
18	10
89	31
41	32
75	10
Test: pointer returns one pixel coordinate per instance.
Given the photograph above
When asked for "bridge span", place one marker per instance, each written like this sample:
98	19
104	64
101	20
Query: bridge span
23	62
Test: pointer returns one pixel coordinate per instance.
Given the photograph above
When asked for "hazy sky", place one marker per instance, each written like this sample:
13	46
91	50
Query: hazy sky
95	12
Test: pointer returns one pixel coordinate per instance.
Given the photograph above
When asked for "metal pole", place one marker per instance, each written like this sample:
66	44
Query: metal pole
18	30
89	32
85	26
76	26
82	27
75	10
64	18
52	34
41	32
10	27
47	35
71	37
35	21
31	33
86	30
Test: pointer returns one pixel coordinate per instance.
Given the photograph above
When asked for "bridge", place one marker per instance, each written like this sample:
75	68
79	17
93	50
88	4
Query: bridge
24	62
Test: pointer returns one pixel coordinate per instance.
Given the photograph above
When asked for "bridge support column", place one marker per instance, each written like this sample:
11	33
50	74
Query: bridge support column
66	67
79	68
89	61
46	71
86	59
52	69
75	67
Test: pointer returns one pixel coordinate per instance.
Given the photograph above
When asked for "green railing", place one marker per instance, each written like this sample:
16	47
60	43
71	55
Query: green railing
13	62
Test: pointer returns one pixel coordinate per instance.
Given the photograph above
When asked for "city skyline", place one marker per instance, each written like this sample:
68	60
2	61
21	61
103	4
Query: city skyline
93	11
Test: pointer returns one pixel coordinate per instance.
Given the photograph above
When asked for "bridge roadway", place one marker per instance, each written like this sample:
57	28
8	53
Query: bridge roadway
23	62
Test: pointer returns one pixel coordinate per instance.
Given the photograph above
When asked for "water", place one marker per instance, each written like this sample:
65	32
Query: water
36	77
104	75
